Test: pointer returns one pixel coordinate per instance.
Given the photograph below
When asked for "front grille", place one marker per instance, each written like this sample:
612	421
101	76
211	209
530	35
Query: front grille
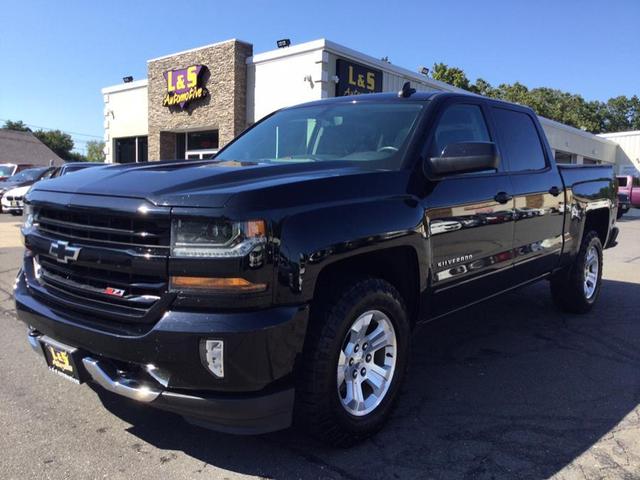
98	227
120	274
119	296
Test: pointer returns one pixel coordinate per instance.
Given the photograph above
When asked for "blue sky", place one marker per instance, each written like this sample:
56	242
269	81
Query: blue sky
56	56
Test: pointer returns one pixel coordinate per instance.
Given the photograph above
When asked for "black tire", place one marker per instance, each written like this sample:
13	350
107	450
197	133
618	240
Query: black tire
619	214
567	287
318	408
15	214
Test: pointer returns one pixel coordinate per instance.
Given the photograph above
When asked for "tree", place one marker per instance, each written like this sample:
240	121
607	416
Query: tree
451	75
61	143
95	151
18	125
76	157
616	114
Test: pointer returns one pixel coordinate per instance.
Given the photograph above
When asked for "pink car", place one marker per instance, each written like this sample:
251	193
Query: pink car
631	186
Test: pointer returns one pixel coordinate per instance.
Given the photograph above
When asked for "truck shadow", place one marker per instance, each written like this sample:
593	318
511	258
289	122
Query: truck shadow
508	389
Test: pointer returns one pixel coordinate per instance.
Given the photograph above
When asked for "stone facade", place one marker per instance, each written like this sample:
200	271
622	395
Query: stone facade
224	108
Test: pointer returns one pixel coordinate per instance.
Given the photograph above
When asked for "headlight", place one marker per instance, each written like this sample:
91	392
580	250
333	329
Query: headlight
27	216
215	238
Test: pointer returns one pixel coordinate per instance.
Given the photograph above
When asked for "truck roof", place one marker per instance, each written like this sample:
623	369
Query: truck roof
417	96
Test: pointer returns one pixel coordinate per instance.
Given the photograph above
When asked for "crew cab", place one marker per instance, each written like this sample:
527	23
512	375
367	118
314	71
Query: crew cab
280	282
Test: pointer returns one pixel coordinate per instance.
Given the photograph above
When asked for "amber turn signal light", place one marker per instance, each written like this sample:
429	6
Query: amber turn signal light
218	284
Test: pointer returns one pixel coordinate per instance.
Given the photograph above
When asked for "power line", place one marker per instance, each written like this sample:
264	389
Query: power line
49	128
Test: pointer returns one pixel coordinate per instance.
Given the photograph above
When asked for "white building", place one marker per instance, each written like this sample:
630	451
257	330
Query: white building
241	87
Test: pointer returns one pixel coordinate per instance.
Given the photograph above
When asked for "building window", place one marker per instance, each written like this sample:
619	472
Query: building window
564	157
199	145
131	149
590	161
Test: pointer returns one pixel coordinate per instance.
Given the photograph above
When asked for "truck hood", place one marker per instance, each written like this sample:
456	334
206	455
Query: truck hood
194	184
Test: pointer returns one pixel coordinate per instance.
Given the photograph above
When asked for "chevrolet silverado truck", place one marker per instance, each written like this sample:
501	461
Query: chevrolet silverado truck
280	282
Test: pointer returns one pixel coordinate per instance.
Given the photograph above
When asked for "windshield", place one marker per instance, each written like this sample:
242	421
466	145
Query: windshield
74	168
363	132
27	175
6	170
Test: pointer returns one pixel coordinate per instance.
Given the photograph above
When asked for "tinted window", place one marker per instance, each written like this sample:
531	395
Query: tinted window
519	140
459	124
636	181
622	181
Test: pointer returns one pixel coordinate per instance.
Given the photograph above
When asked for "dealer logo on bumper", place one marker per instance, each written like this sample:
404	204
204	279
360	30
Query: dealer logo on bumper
63	252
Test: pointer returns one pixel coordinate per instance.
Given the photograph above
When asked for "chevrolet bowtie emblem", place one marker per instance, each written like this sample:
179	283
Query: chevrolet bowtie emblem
63	252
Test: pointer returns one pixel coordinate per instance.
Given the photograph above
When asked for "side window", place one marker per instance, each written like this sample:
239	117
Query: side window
622	181
459	124
519	140
636	181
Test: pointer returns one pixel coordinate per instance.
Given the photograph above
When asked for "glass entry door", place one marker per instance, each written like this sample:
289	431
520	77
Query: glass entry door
201	144
200	154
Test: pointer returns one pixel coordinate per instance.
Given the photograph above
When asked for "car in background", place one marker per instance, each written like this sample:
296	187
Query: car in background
71	167
9	169
25	177
630	185
13	200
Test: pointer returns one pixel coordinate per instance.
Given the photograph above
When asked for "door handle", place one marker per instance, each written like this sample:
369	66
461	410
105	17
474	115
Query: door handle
555	191
502	197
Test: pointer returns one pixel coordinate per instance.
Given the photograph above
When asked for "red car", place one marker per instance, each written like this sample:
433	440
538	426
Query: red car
631	186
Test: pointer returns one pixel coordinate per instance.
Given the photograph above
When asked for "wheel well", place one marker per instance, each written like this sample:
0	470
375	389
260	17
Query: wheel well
398	266
598	220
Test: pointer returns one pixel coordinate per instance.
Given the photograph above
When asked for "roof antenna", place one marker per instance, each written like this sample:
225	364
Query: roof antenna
406	91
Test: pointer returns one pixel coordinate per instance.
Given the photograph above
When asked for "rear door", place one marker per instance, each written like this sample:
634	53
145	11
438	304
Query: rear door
538	192
468	216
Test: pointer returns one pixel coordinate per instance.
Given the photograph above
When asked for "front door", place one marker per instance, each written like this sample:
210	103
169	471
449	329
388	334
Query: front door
470	240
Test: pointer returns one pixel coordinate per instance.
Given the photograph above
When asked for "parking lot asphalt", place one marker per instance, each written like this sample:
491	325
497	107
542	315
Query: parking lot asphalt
509	389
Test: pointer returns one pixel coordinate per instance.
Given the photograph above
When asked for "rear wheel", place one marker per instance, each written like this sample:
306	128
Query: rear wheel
576	289
355	356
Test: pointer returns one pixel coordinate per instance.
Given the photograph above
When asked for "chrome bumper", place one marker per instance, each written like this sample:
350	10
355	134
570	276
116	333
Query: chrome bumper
123	386
120	385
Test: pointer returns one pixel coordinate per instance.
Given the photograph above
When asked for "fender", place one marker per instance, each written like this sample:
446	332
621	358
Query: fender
308	245
583	199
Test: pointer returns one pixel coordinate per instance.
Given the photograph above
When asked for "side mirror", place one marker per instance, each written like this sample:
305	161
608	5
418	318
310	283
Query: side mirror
463	158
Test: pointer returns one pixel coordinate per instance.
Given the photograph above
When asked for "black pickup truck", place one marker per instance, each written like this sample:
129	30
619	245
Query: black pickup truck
280	282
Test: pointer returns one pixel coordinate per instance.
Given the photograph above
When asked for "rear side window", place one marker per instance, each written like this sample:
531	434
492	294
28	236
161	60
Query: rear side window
519	140
636	181
459	124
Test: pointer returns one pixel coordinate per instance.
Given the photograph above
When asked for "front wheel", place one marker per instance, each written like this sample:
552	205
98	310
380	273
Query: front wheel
355	357
576	289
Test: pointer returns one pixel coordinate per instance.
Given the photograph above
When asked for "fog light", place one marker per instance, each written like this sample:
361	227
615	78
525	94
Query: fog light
214	357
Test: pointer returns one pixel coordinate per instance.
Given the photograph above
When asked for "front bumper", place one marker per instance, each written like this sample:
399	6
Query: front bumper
261	348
